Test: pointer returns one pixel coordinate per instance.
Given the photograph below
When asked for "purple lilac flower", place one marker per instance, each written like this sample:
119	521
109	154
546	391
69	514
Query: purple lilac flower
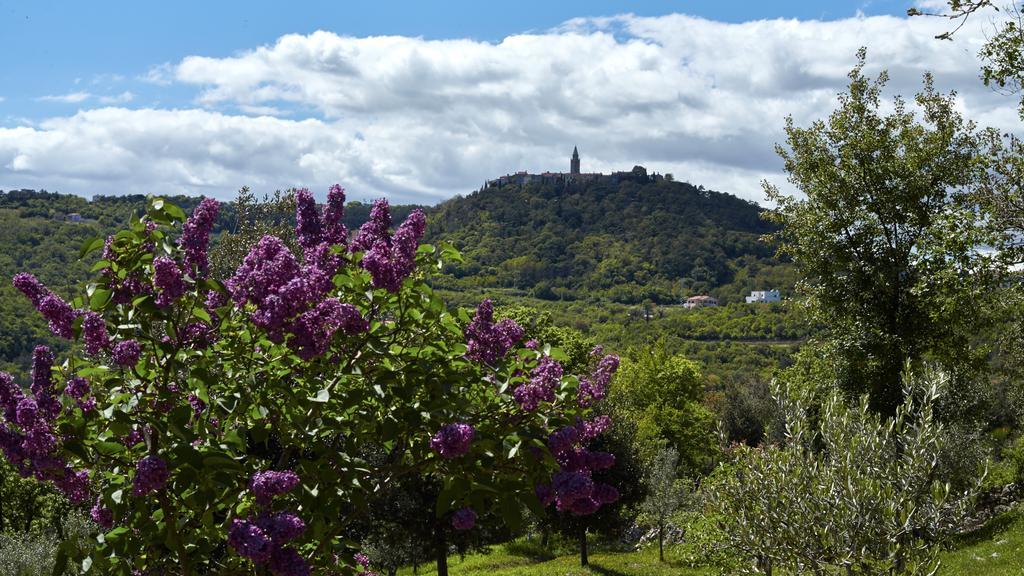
312	330
281	527
31	287
544	379
151	475
307	221
487	341
126	353
167	278
596	387
26	413
362	559
286	561
334	231
452	440
87	405
249	541
94	332
10	395
133	437
532	344
74	485
58	313
389	261
197	404
270	483
374	229
545	494
77	387
195	236
464	519
605	493
102	515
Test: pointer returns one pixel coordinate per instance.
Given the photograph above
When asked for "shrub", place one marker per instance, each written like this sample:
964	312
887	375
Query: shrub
846	490
218	427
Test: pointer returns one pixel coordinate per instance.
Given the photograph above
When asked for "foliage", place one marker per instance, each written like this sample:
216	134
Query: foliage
202	413
665	494
626	242
660	395
888	238
34	553
844	492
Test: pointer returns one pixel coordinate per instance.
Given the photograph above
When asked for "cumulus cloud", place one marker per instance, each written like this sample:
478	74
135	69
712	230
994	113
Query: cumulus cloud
421	120
70	98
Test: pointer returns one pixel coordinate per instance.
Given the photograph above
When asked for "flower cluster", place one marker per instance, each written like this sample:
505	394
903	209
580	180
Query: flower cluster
126	353
78	388
28	436
151	475
487	341
595	387
264	538
195	236
167	279
452	440
58	313
389	260
102	515
464	519
270	483
544	380
289	297
94	332
573	488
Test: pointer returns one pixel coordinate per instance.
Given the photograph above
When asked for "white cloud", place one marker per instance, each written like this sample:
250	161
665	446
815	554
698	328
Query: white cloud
160	75
122	98
71	98
419	119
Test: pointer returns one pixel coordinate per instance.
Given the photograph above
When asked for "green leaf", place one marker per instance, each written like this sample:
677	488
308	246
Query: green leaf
90	246
86	564
99	298
321	396
109	448
174	212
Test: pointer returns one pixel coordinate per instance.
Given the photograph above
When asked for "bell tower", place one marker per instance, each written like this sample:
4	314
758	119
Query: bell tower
574	164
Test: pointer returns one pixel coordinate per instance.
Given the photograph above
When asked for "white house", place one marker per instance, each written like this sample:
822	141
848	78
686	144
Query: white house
700	302
763	296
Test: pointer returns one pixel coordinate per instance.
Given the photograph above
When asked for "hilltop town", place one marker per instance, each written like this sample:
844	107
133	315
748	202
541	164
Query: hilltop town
637	174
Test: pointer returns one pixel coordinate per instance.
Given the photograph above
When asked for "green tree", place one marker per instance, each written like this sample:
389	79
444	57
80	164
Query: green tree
659	396
665	494
844	490
889	237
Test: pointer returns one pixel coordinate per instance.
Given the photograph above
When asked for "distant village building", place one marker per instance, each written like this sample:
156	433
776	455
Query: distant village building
700	302
522	177
74	217
764	296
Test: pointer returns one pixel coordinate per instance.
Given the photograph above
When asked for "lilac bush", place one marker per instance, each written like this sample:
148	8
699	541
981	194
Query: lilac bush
221	426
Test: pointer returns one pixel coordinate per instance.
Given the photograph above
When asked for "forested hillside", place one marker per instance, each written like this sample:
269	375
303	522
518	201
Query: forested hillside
626	241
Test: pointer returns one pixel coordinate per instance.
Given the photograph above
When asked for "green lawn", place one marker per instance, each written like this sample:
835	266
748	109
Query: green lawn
501	561
995	550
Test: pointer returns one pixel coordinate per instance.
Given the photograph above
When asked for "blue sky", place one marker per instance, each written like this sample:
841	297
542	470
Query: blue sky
63	47
205	97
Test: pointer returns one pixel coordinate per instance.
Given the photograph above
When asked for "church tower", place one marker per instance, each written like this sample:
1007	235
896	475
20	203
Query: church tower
574	164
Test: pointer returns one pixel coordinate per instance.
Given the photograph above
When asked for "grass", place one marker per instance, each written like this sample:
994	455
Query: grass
997	549
517	560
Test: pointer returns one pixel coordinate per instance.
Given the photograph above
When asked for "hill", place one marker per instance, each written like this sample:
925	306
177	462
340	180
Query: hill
626	241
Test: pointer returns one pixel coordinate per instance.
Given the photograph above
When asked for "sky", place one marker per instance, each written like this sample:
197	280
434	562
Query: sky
419	101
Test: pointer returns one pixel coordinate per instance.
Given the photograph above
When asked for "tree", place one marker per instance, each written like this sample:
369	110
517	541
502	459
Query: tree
659	397
844	490
222	426
889	236
665	493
